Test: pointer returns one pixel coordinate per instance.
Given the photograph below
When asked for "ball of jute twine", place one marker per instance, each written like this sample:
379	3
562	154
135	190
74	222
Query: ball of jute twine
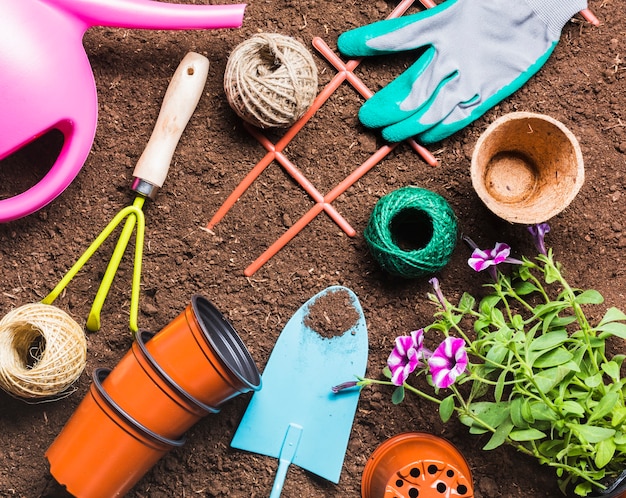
416	214
42	351
270	80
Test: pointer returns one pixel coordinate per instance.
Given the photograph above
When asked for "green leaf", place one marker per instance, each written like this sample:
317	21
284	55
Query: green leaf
527	412
616	329
387	372
517	322
573	408
551	447
540	411
525	288
552	306
547	321
492	414
589	297
446	408
563	321
526	435
594	380
517	416
398	395
591	433
496	354
488	303
604	406
547	379
467	302
619	438
499	389
551	274
612	369
553	358
604	452
583	489
613	315
478	429
618	418
499	436
548	341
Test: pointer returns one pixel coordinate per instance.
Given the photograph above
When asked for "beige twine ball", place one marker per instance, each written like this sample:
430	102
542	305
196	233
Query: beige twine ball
270	80
42	351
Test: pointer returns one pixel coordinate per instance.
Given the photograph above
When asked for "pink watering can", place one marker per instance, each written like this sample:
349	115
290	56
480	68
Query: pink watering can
46	81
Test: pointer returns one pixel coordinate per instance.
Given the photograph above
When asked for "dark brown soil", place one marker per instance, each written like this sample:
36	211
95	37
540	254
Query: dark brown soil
582	85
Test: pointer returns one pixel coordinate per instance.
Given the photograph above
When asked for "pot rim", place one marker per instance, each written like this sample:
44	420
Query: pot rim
98	375
226	342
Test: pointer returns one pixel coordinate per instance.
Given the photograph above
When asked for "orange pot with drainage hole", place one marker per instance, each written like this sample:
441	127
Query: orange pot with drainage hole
416	465
145	392
102	452
203	354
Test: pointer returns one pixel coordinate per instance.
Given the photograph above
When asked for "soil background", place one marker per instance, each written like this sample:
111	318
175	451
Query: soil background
582	85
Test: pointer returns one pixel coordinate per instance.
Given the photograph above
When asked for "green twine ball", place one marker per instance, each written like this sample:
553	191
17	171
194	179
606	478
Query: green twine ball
412	232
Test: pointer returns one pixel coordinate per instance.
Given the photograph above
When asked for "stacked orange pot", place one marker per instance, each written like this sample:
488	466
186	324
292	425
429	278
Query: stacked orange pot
135	413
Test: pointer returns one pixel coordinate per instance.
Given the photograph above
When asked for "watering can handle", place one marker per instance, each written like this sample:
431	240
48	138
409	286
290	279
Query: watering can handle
179	103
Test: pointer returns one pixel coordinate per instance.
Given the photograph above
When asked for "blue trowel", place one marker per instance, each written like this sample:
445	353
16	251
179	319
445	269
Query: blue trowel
296	417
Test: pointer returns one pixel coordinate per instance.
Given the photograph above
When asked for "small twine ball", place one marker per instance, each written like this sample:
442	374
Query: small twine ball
42	351
270	80
412	232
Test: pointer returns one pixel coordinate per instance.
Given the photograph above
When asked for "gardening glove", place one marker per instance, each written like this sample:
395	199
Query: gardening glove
476	53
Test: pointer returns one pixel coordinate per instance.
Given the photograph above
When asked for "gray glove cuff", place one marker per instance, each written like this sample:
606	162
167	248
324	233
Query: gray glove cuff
556	13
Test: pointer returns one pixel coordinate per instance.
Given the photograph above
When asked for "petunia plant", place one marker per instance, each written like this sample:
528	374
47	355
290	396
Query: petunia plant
524	366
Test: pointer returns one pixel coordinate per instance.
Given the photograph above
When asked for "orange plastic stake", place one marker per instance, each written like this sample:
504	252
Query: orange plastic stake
590	17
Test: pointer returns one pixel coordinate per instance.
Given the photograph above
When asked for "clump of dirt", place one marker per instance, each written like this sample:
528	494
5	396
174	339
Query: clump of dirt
332	314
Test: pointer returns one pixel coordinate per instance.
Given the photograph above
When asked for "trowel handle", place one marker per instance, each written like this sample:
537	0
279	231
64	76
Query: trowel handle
288	452
179	103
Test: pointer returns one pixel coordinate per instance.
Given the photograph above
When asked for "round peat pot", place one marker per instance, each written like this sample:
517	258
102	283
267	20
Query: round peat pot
202	353
527	168
102	452
145	392
416	464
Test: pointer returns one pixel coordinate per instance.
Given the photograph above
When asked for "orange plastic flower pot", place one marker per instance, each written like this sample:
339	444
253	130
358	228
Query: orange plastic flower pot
144	391
202	353
102	452
414	465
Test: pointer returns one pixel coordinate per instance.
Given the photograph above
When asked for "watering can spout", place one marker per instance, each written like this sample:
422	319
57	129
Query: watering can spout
149	14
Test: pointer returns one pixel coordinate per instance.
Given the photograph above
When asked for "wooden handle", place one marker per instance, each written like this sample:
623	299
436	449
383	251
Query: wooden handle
179	103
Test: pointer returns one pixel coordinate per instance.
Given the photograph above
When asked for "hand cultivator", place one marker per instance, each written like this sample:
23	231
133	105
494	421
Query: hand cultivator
179	103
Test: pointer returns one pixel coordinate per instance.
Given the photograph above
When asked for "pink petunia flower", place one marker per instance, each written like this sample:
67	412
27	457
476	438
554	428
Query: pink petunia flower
482	259
406	356
448	361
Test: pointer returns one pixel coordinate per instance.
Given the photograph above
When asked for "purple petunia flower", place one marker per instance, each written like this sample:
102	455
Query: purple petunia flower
539	232
344	385
448	361
406	356
437	288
